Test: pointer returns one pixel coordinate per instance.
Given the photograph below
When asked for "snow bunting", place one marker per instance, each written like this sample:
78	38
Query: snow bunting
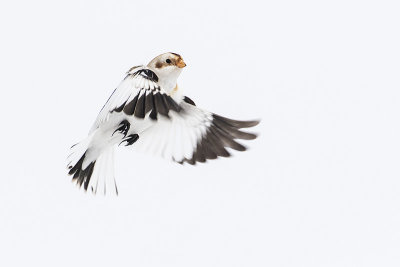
149	112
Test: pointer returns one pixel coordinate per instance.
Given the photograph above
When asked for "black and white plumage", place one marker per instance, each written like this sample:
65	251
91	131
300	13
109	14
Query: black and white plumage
149	113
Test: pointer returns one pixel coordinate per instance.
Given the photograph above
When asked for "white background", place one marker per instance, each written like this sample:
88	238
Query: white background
319	187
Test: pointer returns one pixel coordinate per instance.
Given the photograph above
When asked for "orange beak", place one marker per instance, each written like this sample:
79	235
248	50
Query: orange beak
181	63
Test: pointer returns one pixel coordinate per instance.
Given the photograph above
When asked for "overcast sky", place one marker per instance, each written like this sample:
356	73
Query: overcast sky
319	187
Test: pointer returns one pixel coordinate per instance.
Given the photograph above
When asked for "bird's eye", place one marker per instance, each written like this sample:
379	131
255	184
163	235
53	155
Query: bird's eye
168	60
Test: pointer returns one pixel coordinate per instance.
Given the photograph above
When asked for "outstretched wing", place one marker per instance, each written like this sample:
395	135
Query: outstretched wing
193	135
138	94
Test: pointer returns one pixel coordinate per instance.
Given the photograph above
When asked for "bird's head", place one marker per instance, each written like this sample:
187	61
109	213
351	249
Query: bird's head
167	62
168	67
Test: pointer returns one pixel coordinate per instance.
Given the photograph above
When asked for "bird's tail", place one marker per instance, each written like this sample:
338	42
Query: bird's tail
91	167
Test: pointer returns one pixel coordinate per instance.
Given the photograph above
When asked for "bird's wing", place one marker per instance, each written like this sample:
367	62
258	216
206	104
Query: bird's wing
138	94
193	135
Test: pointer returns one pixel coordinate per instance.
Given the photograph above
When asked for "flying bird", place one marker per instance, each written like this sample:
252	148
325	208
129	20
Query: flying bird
150	113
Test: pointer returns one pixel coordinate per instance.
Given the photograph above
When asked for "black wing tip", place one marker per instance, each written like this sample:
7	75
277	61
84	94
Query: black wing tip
249	136
189	100
252	123
237	123
194	160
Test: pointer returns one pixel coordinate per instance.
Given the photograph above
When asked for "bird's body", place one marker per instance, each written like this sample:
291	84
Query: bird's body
148	112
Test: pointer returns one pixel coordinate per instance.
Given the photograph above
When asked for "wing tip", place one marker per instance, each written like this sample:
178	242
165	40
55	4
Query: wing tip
237	123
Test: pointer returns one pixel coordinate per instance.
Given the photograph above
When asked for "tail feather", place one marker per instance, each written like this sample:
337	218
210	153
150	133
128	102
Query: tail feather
94	171
103	176
81	175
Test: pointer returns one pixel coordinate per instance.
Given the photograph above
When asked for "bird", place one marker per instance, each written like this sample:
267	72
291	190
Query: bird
151	114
